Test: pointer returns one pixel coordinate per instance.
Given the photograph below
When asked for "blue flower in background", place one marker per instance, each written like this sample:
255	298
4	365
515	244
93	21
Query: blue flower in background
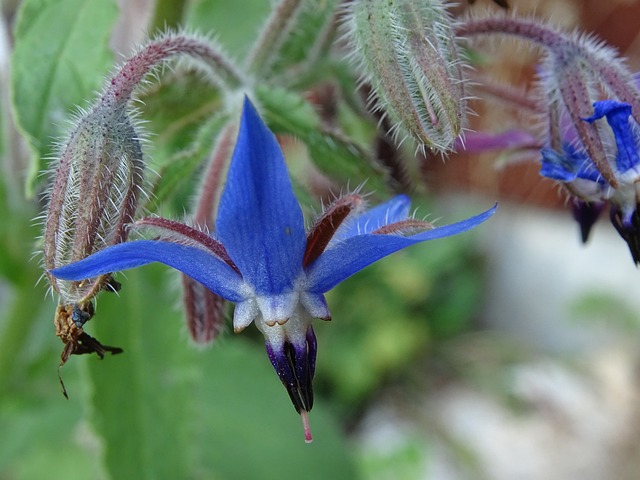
263	259
579	174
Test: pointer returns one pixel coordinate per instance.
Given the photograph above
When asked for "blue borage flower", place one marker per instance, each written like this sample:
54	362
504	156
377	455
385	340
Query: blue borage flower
263	259
579	174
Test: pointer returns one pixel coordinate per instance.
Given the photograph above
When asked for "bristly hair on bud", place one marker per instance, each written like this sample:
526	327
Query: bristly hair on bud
93	196
408	52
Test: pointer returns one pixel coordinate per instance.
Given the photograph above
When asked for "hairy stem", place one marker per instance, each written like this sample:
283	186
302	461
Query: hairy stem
273	34
156	52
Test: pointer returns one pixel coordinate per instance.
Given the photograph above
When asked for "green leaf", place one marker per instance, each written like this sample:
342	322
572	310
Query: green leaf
167	410
332	152
174	176
234	23
140	398
310	38
183	116
61	57
48	437
174	112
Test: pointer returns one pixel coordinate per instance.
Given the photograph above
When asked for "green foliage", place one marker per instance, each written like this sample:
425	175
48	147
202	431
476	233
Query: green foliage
235	23
309	39
164	409
392	312
183	116
175	176
60	59
605	308
337	156
403	460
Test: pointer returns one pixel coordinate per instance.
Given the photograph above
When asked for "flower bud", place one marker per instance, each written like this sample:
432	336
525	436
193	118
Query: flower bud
407	50
93	196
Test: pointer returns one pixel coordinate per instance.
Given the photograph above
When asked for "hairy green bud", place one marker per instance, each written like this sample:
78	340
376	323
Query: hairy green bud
94	195
407	51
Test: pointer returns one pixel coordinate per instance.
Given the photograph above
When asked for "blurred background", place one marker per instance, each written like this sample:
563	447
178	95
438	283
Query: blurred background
507	352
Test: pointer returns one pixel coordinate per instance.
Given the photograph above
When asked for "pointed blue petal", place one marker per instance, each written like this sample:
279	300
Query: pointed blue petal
259	220
355	253
203	267
388	212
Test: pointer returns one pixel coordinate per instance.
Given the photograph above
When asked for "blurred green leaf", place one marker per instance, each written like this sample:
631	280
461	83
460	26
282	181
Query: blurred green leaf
183	117
235	24
605	308
167	410
48	438
402	459
45	435
174	111
60	58
310	38
167	14
334	154
175	174
140	398
394	311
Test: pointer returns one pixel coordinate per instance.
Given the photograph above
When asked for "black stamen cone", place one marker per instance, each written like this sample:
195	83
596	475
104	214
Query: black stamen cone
586	214
295	366
629	232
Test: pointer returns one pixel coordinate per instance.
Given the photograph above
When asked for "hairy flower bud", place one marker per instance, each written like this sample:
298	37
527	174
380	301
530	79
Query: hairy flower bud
93	196
407	50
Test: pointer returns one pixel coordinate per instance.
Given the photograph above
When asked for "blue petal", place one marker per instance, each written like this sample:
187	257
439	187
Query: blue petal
568	166
388	212
556	166
210	271
355	253
618	114
259	220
